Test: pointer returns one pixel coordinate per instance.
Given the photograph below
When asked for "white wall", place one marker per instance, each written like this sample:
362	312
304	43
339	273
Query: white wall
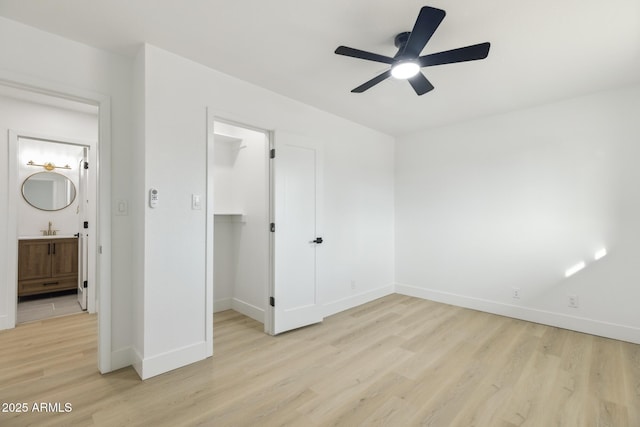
225	261
241	252
138	207
226	227
515	200
358	207
37	56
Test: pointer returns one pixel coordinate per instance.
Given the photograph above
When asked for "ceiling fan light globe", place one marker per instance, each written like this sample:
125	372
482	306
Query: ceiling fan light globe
405	70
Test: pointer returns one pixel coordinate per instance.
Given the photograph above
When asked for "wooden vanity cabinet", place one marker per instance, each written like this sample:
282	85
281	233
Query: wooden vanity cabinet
47	265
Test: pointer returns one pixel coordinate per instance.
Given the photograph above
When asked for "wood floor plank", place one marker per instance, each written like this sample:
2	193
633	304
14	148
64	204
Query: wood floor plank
504	369
571	384
397	361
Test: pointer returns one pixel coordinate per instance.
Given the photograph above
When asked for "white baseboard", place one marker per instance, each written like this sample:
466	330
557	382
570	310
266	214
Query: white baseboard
356	300
174	359
4	322
560	320
249	310
122	358
222	304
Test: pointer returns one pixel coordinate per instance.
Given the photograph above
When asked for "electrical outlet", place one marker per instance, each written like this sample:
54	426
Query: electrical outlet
121	207
515	293
573	301
353	284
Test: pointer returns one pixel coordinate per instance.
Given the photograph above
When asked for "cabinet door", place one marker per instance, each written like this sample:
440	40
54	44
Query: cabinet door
64	257
34	259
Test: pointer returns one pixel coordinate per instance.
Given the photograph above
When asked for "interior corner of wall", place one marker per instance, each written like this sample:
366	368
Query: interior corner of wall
136	361
123	357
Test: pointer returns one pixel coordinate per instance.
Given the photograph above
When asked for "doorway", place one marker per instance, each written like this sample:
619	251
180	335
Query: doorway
56	267
55	95
287	180
240	169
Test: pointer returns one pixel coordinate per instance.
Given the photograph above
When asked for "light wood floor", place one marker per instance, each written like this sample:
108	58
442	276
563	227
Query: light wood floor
397	361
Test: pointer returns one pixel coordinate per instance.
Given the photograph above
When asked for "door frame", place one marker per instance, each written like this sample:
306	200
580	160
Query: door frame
86	187
103	204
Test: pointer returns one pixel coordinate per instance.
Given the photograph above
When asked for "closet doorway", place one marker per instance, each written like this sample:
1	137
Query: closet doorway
241	265
263	225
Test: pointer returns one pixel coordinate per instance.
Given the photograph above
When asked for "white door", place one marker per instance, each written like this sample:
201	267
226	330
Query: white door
297	237
83	238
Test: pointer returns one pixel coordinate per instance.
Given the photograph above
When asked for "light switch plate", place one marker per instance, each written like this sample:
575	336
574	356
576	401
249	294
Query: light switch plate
196	203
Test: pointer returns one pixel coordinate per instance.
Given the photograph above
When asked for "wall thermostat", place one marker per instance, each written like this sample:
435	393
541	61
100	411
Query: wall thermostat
153	198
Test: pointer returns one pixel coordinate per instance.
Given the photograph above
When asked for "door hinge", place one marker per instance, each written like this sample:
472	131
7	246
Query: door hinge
272	153
85	284
272	227
86	224
86	165
272	301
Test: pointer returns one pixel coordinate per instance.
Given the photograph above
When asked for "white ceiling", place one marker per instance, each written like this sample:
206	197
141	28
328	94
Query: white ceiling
541	51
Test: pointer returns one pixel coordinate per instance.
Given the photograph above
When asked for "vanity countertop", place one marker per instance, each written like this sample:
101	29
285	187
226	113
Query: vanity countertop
57	236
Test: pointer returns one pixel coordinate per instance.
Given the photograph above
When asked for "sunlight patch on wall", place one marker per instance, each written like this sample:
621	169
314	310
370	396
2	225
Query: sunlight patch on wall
601	253
574	269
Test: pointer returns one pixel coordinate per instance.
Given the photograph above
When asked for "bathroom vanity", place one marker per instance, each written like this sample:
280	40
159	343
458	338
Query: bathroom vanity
47	264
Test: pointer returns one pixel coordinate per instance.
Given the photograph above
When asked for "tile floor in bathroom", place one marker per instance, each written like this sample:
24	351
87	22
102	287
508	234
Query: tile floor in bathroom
53	305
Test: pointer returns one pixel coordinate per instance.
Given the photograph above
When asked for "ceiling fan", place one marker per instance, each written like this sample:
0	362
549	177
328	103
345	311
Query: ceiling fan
406	64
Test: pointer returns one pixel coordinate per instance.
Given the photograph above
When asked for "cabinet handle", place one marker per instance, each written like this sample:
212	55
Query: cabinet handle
50	284
54	248
48	248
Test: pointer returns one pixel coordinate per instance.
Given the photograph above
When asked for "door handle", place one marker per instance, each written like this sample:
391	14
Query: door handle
317	240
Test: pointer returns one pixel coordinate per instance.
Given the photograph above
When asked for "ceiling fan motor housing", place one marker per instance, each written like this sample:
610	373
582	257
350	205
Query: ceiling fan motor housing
400	41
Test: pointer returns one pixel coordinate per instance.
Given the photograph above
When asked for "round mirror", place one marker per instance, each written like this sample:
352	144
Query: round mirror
48	191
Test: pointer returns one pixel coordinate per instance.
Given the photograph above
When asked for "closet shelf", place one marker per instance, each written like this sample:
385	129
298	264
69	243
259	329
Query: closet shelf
229	216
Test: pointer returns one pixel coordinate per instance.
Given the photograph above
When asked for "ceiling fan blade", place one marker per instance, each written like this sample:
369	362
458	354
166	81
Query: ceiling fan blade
426	24
420	84
462	54
357	53
374	81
